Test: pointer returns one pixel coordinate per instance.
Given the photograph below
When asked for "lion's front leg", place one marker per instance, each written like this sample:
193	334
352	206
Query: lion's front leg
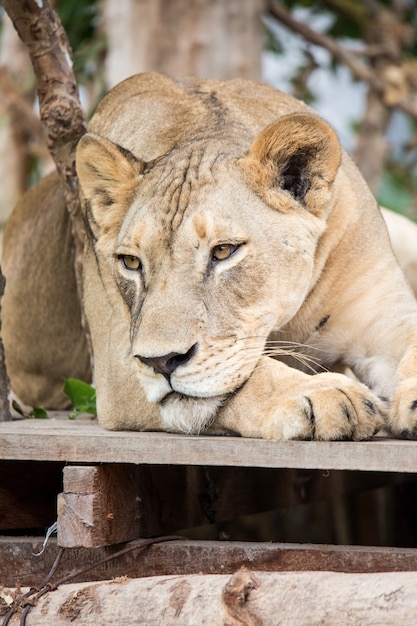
403	416
279	402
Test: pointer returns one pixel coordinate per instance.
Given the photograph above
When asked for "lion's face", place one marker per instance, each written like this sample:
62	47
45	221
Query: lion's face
209	252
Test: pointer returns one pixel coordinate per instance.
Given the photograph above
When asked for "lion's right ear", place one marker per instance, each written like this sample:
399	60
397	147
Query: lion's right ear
299	154
108	175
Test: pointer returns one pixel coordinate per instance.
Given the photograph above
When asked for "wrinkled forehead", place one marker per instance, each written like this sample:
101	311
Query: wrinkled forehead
182	191
179	183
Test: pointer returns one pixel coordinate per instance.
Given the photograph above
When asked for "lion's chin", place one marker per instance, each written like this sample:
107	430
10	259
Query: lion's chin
186	414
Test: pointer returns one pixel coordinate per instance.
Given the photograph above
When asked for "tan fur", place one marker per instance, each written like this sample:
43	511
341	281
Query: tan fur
403	235
41	315
257	238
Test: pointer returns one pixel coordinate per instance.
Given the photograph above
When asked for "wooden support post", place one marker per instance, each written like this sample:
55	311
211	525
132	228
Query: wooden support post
99	506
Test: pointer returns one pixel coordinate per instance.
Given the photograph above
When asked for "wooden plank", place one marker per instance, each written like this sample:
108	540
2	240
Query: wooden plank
84	441
20	566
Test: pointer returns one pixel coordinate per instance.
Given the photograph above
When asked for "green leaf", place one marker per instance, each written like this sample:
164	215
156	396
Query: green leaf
82	396
39	413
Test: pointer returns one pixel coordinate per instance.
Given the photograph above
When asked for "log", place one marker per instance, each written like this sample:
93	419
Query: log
250	598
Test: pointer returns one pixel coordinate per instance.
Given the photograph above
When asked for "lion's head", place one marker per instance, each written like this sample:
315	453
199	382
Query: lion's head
207	243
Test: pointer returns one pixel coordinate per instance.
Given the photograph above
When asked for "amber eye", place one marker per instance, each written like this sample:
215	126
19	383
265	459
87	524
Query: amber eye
223	251
130	262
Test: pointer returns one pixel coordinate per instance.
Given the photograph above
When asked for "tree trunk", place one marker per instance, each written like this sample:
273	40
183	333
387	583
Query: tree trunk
372	146
383	30
213	39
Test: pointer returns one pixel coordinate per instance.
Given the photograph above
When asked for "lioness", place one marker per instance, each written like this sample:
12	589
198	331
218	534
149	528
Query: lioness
232	250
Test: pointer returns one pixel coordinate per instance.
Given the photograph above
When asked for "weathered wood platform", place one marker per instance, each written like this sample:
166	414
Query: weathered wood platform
115	487
119	486
83	441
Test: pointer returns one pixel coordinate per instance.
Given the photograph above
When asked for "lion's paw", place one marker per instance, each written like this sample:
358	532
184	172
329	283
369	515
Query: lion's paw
331	408
403	416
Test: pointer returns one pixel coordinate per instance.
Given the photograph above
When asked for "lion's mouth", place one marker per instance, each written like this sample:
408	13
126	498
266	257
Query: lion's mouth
188	414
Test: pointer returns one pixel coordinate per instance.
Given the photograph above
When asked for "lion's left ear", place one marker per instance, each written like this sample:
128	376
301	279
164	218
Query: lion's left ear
108	175
299	153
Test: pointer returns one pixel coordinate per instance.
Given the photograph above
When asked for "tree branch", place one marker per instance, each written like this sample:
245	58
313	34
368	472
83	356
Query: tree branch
377	82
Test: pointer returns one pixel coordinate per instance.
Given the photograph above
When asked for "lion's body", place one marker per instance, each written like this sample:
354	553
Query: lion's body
41	315
225	225
403	235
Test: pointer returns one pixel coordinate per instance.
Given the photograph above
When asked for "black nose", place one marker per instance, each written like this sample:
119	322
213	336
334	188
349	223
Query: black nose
165	365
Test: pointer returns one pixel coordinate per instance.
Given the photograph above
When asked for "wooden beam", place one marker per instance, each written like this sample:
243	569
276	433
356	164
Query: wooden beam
20	566
84	441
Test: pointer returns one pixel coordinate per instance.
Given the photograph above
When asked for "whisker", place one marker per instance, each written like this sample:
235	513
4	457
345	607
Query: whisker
279	350
275	342
294	353
271	342
307	361
308	367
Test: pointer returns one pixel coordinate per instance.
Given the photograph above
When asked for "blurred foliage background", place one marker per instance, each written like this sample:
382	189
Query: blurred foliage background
380	38
358	55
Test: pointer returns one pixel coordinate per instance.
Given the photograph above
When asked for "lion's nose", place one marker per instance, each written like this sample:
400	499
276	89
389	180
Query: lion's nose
166	364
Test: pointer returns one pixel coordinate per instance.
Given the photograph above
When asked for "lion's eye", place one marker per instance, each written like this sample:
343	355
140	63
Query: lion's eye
130	262
223	251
